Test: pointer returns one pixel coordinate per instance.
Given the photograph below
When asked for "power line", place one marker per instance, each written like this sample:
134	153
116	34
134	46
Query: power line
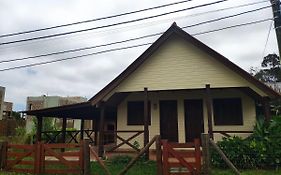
123	48
93	20
234	26
180	18
110	25
131	39
267	37
225	17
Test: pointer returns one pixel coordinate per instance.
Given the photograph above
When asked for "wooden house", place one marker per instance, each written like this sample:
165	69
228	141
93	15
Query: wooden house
178	88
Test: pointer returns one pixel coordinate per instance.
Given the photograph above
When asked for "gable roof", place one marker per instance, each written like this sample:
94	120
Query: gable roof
175	30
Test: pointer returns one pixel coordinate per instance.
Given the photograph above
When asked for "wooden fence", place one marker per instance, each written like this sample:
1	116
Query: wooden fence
181	158
42	158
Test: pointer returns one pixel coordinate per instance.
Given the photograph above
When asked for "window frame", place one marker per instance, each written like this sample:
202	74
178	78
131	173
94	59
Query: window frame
231	107
139	122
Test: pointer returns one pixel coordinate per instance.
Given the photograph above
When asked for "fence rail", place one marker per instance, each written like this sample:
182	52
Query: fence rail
43	158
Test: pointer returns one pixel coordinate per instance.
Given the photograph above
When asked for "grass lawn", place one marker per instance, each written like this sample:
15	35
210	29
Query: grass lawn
247	172
149	168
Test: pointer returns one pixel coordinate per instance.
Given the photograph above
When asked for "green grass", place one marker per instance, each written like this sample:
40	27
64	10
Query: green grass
247	172
149	168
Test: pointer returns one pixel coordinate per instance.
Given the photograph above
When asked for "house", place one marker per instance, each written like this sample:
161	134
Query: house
7	110
2	96
178	88
44	101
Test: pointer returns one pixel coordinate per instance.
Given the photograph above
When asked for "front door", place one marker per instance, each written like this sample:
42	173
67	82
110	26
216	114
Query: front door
194	123
169	120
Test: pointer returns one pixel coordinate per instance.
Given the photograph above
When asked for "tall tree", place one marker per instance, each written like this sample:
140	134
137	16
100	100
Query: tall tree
270	71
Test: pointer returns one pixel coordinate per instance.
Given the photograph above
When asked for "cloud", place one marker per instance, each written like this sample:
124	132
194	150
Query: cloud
86	76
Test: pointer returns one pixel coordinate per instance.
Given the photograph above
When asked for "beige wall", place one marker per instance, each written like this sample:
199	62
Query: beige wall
248	107
178	64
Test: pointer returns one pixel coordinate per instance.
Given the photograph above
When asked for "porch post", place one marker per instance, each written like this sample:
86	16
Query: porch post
82	129
145	122
95	128
63	130
209	111
39	129
101	132
266	109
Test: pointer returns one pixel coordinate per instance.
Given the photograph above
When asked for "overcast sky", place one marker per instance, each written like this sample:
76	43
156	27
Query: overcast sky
86	76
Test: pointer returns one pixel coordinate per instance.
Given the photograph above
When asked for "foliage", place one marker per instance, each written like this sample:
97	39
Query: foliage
270	71
120	159
16	115
261	149
237	150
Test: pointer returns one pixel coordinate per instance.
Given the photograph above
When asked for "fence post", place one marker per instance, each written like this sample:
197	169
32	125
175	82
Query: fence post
159	156
3	157
205	139
37	158
86	157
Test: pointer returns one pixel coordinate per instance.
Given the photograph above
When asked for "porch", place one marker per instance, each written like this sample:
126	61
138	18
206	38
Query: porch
164	112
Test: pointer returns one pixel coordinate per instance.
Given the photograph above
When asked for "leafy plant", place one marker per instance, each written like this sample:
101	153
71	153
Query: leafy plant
261	149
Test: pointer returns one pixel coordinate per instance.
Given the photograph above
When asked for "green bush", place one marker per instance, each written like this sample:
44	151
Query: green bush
261	150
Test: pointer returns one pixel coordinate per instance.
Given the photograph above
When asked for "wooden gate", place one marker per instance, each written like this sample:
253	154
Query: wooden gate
181	158
44	158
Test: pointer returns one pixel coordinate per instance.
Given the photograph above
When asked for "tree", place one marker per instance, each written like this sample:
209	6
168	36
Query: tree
271	69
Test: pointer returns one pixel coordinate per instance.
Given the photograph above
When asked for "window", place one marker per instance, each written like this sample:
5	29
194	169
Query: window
228	111
135	113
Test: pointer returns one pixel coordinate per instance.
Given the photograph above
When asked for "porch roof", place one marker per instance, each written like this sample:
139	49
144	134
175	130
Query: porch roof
83	110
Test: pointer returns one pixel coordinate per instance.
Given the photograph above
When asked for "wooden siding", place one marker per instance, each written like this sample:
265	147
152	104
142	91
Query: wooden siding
248	107
178	64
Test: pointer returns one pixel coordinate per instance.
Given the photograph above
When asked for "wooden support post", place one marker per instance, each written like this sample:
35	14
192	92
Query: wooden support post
159	156
96	132
63	130
3	157
266	109
209	111
101	132
82	129
223	156
39	129
86	158
145	121
206	168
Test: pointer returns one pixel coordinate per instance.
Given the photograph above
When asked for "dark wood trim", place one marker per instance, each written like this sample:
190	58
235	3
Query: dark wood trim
63	130
39	129
145	121
82	129
209	110
266	109
101	131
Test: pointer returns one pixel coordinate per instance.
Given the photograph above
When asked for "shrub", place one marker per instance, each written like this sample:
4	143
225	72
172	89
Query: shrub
261	149
120	159
237	150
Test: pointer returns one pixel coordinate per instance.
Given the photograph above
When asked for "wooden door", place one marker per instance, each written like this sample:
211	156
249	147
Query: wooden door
194	123
169	120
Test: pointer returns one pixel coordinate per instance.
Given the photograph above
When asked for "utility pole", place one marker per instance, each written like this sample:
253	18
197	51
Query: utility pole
277	21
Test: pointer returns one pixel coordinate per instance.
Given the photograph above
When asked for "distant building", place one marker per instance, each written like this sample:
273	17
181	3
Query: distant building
7	110
40	102
2	95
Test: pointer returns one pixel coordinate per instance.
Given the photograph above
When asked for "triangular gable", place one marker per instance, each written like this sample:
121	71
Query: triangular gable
174	38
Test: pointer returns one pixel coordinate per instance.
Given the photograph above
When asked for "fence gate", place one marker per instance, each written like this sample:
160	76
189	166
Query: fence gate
181	158
42	158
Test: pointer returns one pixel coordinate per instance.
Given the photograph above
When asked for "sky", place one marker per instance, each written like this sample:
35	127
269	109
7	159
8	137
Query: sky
245	46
